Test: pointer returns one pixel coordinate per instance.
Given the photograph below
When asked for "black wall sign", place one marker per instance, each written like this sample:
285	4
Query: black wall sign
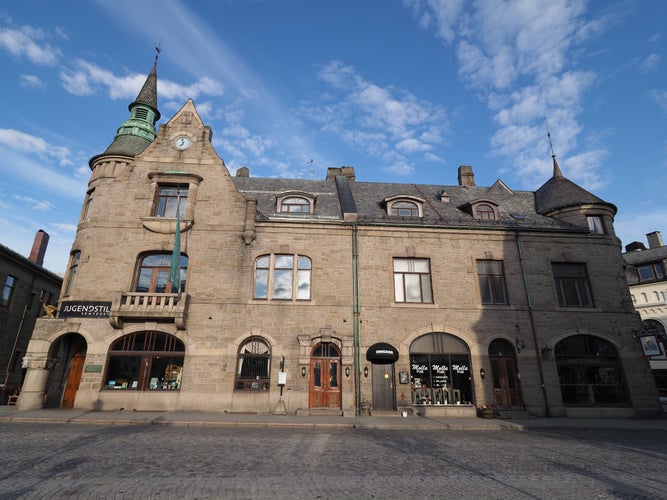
382	354
84	309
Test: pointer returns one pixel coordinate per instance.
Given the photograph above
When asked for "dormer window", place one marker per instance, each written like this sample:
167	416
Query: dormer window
295	204
401	206
481	209
484	212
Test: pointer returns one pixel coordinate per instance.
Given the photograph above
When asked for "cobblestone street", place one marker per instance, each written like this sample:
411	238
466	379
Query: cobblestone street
161	462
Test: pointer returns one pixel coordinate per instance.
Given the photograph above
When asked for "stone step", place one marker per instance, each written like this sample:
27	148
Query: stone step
510	414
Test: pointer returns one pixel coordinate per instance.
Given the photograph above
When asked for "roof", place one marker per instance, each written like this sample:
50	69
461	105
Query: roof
24	261
638	257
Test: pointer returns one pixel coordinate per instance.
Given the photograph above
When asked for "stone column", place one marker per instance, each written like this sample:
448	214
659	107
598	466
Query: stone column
34	385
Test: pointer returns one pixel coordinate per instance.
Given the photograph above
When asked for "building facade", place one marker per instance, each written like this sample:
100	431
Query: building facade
190	288
29	291
648	288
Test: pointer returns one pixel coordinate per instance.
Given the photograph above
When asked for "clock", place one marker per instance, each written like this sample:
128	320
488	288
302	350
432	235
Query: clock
182	142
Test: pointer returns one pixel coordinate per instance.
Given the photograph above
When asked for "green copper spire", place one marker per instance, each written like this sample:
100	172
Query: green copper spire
137	132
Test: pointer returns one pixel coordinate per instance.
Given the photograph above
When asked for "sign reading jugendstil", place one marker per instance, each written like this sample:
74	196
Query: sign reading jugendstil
84	309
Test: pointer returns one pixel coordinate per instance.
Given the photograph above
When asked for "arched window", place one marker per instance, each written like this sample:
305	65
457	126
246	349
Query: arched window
484	212
404	209
590	372
295	205
153	273
282	277
440	370
147	360
254	365
654	327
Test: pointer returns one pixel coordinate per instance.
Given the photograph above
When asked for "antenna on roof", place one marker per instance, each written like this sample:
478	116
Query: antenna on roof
311	169
557	171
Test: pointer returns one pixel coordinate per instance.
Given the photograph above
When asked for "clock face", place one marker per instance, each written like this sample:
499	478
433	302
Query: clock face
182	142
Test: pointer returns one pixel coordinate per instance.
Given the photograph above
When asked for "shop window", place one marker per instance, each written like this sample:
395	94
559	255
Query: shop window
440	370
491	278
75	259
153	273
572	285
282	277
8	290
412	280
254	365
168	198
145	361
590	372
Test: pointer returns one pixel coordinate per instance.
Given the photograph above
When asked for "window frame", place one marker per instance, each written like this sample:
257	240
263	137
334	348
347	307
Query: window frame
416	207
87	205
258	375
566	284
300	272
288	204
657	270
399	278
492	282
595	224
75	261
158	271
8	290
164	205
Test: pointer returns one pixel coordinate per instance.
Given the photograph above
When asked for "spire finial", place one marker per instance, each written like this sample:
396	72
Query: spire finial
158	49
557	172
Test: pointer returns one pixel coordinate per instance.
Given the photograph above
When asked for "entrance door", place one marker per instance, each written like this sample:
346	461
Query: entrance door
506	392
325	377
73	380
384	395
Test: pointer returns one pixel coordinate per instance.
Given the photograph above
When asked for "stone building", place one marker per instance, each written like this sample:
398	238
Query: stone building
29	291
190	288
648	288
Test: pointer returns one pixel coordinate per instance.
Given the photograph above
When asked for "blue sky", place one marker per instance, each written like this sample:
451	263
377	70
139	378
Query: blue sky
403	90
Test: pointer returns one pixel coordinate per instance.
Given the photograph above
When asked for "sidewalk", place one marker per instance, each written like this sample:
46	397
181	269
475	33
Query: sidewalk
212	419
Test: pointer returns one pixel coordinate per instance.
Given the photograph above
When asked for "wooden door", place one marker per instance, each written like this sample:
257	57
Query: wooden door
73	379
384	395
506	391
325	383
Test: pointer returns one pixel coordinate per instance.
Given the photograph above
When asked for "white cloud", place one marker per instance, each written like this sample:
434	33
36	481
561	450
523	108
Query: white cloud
659	97
651	62
26	143
35	204
28	43
31	81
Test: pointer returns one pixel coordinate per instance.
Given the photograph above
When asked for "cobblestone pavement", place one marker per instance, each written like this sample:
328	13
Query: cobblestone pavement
45	460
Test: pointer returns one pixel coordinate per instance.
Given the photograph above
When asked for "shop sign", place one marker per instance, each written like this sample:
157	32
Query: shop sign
84	309
382	354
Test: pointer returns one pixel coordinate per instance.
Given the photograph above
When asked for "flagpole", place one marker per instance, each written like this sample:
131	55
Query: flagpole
175	270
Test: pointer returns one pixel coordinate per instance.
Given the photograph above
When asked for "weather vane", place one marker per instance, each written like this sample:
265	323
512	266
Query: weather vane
549	135
158	50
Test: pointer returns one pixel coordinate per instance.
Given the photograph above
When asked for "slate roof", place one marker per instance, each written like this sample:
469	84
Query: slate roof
516	209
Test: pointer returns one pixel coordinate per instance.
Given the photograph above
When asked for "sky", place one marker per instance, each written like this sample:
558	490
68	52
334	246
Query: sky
404	91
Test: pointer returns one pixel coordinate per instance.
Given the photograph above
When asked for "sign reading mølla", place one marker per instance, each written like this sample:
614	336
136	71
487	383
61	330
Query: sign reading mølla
84	309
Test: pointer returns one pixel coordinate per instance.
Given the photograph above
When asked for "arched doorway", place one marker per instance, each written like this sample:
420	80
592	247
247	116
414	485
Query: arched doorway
506	389
590	372
67	355
440	370
325	374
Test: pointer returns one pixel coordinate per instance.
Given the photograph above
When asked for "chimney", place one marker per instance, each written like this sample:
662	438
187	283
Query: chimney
466	176
635	246
39	247
654	239
333	172
243	172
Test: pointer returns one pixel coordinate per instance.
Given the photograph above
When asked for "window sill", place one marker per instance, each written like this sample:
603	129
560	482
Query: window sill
165	225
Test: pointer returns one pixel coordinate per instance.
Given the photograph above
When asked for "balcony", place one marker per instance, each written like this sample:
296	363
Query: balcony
160	307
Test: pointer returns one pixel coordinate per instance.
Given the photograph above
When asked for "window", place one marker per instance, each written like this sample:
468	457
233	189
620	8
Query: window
75	259
295	204
168	198
412	280
282	277
491	276
651	272
572	285
590	372
484	212
595	224
154	271
8	290
145	361
440	370
254	363
88	204
404	209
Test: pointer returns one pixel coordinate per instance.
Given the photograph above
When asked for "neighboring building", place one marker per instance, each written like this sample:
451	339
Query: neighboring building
27	291
334	295
645	273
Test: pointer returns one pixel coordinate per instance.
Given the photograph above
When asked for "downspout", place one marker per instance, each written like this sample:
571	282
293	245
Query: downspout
540	369
356	319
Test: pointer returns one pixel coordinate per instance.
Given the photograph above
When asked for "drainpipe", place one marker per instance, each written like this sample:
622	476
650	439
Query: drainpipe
540	369
356	319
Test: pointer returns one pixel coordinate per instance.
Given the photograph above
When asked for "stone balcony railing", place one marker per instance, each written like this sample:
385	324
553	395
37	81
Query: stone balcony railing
161	307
